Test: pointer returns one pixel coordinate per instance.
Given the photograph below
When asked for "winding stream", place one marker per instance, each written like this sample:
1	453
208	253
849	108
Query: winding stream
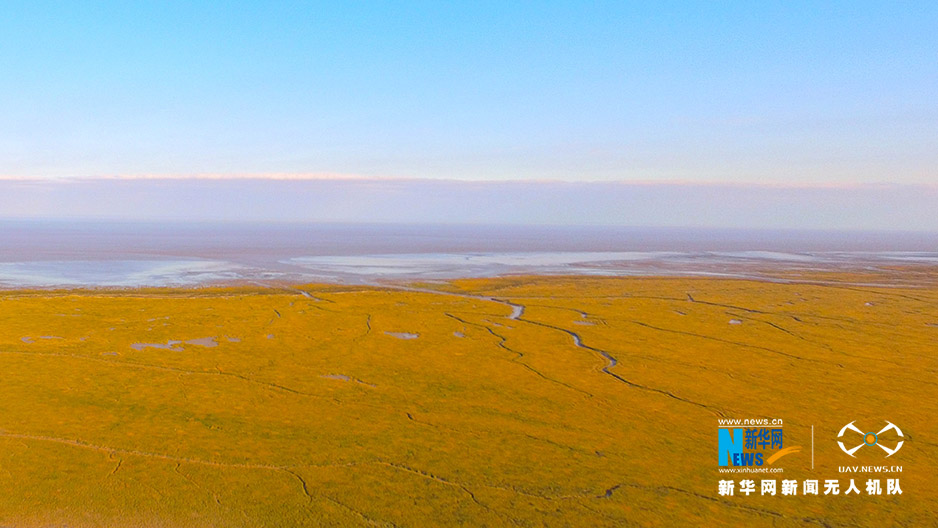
517	314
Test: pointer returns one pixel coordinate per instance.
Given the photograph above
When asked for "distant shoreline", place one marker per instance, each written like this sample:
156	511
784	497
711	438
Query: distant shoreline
910	277
50	254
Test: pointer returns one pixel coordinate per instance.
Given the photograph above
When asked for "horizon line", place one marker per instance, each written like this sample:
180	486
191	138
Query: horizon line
349	177
538	225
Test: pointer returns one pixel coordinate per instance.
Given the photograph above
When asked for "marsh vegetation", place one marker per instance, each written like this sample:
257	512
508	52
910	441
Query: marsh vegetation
506	411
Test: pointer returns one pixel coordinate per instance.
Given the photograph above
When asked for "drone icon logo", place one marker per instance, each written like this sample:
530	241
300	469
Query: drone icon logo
870	439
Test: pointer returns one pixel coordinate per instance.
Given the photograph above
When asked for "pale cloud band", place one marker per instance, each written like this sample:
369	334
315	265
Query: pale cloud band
343	198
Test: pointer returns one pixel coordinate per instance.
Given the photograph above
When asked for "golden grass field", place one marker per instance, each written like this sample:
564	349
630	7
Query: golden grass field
310	411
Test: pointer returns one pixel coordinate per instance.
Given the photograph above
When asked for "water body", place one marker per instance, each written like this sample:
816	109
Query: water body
116	272
101	254
173	344
403	335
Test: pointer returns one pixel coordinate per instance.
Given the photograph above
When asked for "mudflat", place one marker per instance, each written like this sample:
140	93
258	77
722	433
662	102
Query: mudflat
517	401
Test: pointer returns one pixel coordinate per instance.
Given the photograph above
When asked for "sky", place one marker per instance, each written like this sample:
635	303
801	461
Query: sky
723	94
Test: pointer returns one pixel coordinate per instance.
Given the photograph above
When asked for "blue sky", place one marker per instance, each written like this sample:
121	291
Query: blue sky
834	93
